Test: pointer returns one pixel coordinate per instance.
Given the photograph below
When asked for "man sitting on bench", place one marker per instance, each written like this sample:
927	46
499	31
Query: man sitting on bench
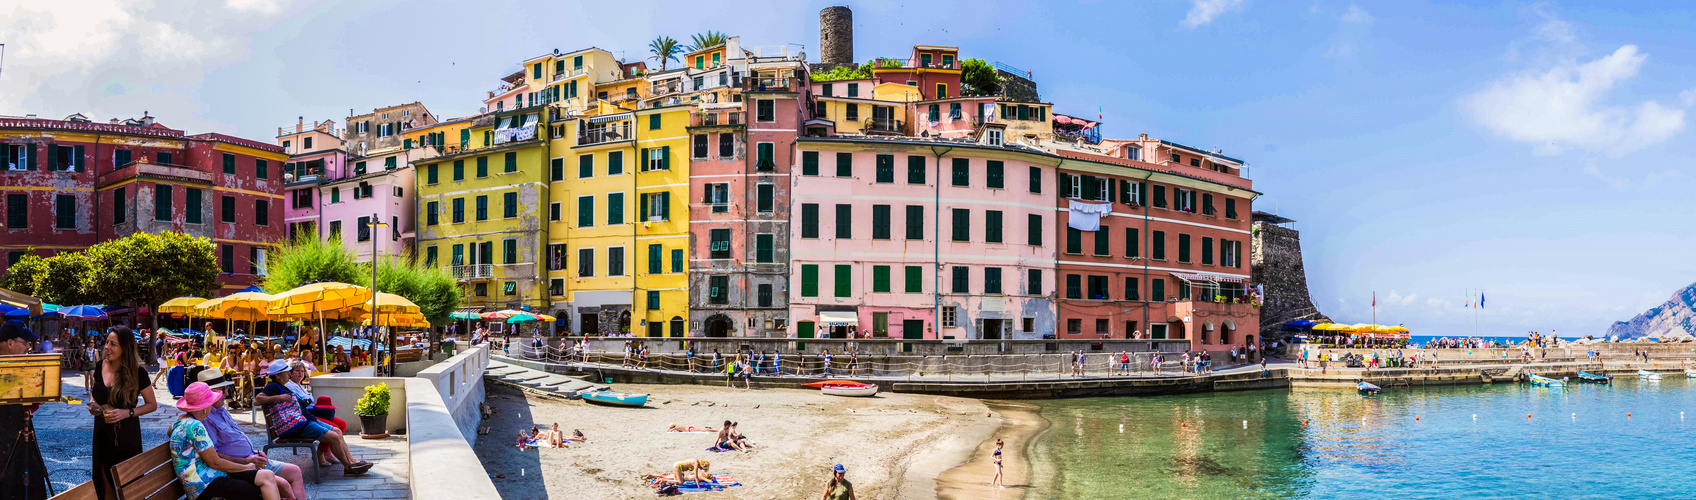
313	429
202	471
232	443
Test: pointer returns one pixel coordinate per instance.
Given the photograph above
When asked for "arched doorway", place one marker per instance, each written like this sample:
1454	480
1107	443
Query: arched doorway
718	325
1175	328
1227	330
1207	333
677	327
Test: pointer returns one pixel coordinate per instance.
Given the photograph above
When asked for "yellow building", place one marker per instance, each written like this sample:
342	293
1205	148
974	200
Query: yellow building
618	222
446	137
569	79
481	210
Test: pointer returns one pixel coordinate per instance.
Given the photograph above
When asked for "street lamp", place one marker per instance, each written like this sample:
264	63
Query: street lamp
374	224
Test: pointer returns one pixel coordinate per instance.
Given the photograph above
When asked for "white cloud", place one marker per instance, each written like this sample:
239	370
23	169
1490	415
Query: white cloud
1357	15
115	59
1339	49
1204	11
1592	170
1399	299
259	6
1562	107
1688	96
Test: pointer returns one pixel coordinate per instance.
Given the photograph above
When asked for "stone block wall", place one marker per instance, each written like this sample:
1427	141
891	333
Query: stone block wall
1276	263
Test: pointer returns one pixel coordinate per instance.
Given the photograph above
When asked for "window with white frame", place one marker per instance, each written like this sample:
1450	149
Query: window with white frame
992	137
718	197
1133	153
949	314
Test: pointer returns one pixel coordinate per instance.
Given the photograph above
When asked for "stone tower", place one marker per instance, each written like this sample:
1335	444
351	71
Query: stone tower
836	36
1276	262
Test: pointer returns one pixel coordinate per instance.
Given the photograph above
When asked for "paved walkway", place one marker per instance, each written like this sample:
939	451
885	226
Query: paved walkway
500	361
66	431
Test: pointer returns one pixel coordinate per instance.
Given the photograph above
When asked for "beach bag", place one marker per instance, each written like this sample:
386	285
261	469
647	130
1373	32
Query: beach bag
668	490
285	417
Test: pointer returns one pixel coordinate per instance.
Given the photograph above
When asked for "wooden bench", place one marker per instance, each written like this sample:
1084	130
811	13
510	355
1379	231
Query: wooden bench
408	355
148	476
84	491
272	441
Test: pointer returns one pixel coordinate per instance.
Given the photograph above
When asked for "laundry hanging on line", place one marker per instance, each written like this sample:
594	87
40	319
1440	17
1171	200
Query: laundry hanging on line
1086	216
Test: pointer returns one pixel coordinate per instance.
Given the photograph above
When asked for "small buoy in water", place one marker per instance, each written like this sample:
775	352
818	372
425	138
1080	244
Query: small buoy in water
1475	417
1575	416
1121	428
1245	424
1528	415
1416	419
1628	414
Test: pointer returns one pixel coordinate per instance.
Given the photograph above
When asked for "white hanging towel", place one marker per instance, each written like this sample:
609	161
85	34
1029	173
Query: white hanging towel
1086	216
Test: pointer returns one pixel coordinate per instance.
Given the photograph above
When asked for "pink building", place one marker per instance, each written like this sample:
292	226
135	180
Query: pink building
378	185
892	232
315	155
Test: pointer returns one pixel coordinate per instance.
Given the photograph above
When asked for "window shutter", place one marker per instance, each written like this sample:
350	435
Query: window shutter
644	159
76	161
665	158
665	205
52	157
1066	181
1111	193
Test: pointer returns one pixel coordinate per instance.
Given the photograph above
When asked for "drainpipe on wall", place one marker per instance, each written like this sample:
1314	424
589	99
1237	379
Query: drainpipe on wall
1145	237
936	242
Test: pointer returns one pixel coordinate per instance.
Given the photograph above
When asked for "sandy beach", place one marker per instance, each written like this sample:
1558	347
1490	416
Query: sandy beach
1020	424
893	445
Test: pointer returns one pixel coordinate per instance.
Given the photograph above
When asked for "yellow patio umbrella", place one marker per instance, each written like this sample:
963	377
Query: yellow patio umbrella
1360	327
544	317
180	305
388	303
409	320
1399	328
1331	327
318	301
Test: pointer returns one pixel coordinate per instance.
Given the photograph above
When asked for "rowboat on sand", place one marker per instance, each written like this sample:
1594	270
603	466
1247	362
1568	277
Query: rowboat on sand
855	391
609	398
827	383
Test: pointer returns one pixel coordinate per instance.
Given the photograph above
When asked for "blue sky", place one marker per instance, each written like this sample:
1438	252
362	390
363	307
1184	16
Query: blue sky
1539	151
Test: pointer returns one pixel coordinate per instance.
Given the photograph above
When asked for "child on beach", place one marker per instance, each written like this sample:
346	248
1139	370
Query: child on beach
997	480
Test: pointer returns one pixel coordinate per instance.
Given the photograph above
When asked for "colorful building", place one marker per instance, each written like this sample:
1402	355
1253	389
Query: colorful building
920	238
480	210
315	155
618	223
741	150
69	184
1165	258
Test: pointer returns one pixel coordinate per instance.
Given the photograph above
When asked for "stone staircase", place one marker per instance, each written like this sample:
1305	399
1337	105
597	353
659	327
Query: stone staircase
539	380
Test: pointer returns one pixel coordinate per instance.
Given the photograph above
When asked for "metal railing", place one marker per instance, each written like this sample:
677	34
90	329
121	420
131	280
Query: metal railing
710	118
473	271
882	125
603	135
768	83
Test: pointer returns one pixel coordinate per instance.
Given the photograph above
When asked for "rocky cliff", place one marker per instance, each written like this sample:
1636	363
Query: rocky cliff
1675	318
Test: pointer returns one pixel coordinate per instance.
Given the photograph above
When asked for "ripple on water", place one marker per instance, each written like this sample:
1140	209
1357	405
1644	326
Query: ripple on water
1419	442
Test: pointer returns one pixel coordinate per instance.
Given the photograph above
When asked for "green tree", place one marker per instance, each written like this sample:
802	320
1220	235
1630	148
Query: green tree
309	259
22	275
709	39
149	269
980	76
845	72
432	288
65	281
664	49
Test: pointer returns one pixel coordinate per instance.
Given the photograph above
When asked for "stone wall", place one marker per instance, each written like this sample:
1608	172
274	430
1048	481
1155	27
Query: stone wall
1017	87
836	35
1276	263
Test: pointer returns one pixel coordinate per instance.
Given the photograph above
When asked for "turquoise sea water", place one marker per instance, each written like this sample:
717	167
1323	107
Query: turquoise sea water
1467	442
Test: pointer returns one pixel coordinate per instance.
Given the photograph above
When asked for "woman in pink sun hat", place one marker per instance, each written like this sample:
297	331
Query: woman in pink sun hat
197	463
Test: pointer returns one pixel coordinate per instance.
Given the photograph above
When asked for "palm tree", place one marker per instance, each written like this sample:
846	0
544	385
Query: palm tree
708	39
664	49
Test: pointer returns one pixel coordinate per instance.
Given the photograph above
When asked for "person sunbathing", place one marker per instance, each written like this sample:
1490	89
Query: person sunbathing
689	428
737	439
696	465
557	437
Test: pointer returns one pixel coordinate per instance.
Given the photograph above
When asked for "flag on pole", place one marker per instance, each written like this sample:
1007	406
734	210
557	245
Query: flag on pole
1098	112
1480	300
1374	299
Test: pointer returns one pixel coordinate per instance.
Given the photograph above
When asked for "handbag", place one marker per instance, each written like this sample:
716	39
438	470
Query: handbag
285	417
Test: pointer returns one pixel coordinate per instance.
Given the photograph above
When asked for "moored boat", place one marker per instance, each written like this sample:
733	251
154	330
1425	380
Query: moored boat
1594	378
610	398
855	391
1366	388
1542	381
827	383
1648	375
1690	372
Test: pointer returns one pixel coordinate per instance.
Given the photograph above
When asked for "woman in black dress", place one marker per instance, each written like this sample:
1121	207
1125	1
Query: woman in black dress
116	383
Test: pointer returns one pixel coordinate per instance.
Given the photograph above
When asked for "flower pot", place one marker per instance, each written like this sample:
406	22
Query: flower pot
374	426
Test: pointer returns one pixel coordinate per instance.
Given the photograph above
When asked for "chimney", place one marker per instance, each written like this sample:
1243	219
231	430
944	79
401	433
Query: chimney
299	124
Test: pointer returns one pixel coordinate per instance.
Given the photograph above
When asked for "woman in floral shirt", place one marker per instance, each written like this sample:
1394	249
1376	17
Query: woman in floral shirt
197	463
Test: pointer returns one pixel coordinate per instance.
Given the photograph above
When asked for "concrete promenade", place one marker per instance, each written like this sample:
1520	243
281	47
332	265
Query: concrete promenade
66	434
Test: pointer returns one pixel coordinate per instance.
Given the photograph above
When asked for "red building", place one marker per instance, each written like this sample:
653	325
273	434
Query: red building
69	184
934	69
1166	256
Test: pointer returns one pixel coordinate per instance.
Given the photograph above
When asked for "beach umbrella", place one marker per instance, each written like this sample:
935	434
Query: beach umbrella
318	301
501	314
388	303
84	313
11	311
180	305
464	315
521	318
31	304
409	320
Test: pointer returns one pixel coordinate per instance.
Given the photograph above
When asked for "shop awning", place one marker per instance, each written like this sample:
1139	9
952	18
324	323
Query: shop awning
610	118
1208	278
839	318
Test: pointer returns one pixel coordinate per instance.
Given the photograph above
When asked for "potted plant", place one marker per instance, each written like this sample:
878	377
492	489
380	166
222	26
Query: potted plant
373	411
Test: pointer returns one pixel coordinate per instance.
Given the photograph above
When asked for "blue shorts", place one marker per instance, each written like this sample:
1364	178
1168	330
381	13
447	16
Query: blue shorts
313	429
275	466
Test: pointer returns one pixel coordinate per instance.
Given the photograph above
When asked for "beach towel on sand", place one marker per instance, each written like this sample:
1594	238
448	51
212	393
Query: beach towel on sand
717	449
720	482
536	443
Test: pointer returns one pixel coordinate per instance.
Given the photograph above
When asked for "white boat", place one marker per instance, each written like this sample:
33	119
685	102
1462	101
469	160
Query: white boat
855	391
1648	374
1690	372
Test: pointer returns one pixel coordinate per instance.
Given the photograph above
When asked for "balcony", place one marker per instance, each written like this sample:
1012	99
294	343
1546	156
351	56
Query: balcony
882	126
769	84
665	88
716	118
471	272
600	135
910	62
